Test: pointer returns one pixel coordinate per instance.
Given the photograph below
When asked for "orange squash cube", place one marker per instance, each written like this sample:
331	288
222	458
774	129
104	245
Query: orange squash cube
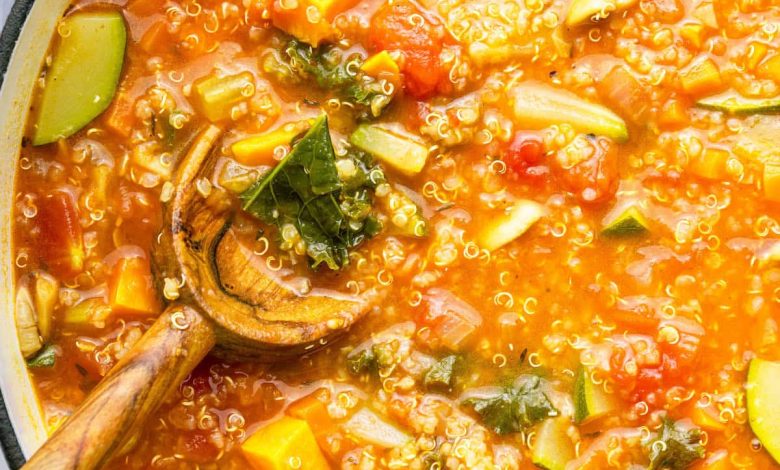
287	443
131	289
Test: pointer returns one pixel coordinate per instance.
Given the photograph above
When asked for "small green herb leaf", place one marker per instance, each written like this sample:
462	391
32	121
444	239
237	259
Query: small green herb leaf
515	408
361	362
305	190
45	358
675	447
442	374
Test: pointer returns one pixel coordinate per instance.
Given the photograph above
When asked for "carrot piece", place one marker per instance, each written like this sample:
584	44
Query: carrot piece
382	65
156	38
772	181
120	116
313	411
131	290
770	68
60	241
259	150
693	34
707	418
311	20
673	116
756	52
283	444
711	164
701	78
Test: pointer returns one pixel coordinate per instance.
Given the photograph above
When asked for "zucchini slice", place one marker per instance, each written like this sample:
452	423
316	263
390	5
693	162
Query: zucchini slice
538	105
583	11
83	76
553	448
731	103
763	404
630	222
502	230
400	152
590	400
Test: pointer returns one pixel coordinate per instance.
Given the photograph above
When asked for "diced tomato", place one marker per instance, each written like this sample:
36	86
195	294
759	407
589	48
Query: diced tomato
131	289
590	169
525	154
402	26
452	320
60	242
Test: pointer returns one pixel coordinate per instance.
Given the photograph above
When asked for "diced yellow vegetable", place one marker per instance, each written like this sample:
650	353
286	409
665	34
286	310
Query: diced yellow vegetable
259	150
382	65
707	417
215	97
756	52
538	105
673	116
763	403
553	448
310	20
711	164
583	11
705	12
693	33
503	229
46	295
26	323
400	152
701	78
92	311
770	68
772	181
284	444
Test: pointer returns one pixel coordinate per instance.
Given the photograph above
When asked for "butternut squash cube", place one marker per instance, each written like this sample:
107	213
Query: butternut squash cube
284	444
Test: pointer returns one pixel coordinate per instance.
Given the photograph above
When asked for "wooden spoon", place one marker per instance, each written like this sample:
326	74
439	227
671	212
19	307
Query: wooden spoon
230	299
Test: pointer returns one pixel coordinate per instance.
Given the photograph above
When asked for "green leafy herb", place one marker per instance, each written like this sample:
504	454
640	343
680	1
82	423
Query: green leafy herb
515	408
297	62
331	214
361	362
442	374
45	358
675	447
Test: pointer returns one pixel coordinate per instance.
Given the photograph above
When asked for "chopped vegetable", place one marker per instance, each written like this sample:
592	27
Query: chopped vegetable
676	446
83	76
513	223
45	358
46	294
701	78
361	361
711	164
553	447
400	152
382	65
769	69
131	288
624	94
287	440
771	181
515	408
92	311
763	403
309	20
60	241
732	103
215	97
442	374
591	401
313	411
405	215
330	210
630	222
537	105
369	427
708	417
120	116
298	63
673	116
583	11
451	319
26	323
260	150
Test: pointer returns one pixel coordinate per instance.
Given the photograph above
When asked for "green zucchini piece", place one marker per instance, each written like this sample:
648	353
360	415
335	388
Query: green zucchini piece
215	96
400	152
731	103
583	11
763	404
553	448
591	401
538	105
630	222
83	76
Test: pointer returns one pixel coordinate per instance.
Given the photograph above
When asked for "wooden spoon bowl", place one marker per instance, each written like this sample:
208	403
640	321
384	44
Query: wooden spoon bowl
229	299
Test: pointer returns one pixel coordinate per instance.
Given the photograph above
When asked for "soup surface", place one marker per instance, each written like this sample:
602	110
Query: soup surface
570	209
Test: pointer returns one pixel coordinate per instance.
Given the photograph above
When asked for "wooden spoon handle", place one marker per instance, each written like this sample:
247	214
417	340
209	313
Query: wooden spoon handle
111	417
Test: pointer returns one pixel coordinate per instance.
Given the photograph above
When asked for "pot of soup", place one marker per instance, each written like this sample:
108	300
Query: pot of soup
313	234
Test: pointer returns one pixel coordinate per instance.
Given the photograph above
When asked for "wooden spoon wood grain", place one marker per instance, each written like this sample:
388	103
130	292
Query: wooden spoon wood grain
229	300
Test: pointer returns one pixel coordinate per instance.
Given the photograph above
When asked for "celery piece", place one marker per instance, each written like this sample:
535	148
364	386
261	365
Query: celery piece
215	96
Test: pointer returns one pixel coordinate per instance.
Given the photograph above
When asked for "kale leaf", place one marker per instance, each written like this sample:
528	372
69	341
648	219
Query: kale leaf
362	361
515	408
675	447
45	358
304	190
442	374
297	62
